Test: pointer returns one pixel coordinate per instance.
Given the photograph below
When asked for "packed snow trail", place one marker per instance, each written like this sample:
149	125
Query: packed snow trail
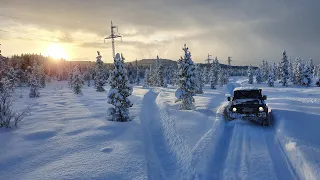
161	161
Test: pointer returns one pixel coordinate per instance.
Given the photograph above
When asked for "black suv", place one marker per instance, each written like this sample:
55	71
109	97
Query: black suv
248	103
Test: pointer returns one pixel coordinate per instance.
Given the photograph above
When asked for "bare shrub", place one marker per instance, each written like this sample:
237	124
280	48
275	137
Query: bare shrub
8	117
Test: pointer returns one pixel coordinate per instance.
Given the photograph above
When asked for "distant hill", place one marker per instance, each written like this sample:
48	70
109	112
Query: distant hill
148	62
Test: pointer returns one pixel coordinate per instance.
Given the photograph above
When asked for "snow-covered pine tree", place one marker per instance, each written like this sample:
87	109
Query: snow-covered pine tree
70	78
87	77
250	75
306	75
316	70
226	76
214	73
291	71
264	67
160	81
274	70
311	66
186	87
77	81
271	76
131	73
11	75
278	77
199	81
174	78
168	74
99	79
146	79
221	77
34	81
297	71
284	69
119	92
205	75
137	75
153	75
258	76
317	75
42	77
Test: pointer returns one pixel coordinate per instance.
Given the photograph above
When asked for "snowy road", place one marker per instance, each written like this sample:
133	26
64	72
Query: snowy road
227	150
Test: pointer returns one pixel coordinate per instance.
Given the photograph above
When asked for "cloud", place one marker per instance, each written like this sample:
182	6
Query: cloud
248	30
65	38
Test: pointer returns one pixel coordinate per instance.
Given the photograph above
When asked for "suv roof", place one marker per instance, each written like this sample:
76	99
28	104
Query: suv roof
245	89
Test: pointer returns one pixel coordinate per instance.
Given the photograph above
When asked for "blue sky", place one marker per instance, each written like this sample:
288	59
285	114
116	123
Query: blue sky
247	30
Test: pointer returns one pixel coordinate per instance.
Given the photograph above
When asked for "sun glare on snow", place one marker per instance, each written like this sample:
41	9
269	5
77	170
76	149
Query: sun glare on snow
56	51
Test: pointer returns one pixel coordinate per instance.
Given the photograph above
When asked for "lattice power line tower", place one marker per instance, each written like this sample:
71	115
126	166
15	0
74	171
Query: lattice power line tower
113	36
209	59
229	61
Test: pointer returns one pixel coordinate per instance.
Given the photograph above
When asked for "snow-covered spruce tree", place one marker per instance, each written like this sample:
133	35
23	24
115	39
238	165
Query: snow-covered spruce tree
226	76
306	75
258	76
214	73
99	79
160	76
311	66
205	75
199	81
284	69
138	77
131	73
119	92
153	76
187	85
87	77
34	81
169	74
297	71
316	70
42	77
317	75
11	75
278	77
291	71
146	79
70	78
220	77
271	76
250	75
77	81
175	78
264	67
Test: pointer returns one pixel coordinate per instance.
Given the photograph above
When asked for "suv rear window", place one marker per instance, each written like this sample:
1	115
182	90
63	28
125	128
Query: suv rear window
247	94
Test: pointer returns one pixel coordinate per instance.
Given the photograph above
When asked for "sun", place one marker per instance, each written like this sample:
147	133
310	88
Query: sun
56	51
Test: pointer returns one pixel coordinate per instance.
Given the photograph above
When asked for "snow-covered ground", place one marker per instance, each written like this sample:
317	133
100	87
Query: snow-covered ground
67	136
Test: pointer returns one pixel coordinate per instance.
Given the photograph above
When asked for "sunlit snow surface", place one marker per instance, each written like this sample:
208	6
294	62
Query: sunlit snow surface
67	136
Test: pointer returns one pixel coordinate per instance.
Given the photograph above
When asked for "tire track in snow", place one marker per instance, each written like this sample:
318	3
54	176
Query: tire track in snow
282	166
161	161
248	156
